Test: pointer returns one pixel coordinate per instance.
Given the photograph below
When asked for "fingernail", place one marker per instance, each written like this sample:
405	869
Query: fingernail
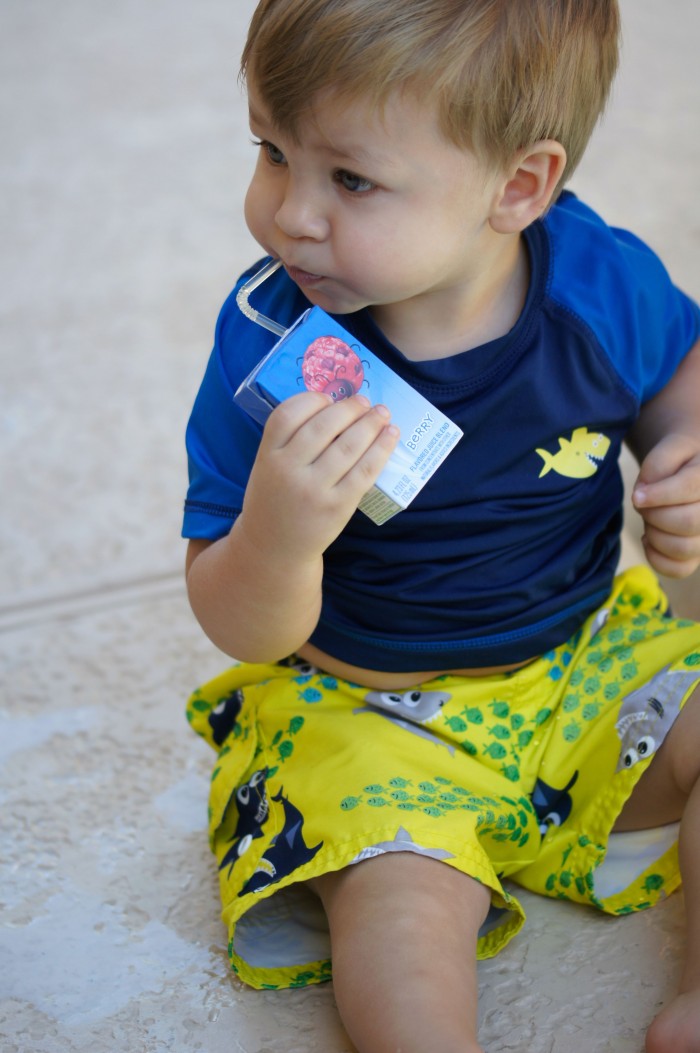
639	495
382	411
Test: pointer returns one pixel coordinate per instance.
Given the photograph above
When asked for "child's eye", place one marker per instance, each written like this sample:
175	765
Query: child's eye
355	184
274	154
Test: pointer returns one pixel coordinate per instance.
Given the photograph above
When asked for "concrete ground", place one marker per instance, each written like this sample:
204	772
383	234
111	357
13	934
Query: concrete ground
123	165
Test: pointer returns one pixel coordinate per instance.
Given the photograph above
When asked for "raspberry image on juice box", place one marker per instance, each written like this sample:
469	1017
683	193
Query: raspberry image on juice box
318	354
331	365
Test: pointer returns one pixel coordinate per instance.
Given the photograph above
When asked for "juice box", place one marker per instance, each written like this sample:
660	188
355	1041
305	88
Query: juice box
318	354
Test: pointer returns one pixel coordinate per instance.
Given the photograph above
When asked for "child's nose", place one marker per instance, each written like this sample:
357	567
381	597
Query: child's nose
301	214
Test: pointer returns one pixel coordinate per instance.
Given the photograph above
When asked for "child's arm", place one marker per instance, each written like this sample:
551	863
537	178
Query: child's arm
666	442
257	591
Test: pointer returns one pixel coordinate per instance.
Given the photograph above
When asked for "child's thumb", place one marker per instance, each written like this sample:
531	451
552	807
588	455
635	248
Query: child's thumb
661	463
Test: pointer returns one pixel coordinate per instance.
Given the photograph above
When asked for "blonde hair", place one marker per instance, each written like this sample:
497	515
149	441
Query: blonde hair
504	73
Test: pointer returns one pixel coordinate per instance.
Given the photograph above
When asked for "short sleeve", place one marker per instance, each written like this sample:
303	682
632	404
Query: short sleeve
620	289
222	440
668	321
221	445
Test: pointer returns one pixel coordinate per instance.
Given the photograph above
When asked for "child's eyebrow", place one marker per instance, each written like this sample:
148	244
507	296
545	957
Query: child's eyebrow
255	117
353	152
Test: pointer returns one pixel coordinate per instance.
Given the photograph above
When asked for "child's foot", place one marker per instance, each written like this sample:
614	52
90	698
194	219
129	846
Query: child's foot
677	1027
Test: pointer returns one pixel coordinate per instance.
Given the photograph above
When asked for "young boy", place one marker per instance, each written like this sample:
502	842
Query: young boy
472	695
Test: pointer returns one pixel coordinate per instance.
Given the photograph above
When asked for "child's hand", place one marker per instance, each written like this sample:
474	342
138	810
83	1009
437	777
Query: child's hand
316	460
667	496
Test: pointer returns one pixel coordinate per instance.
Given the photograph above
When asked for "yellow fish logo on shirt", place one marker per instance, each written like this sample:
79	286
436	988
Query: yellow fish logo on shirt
578	457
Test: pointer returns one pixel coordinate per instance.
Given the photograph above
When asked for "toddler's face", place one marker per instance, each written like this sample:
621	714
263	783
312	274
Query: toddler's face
370	209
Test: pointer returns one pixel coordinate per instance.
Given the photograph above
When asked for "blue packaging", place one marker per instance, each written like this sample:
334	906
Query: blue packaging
318	354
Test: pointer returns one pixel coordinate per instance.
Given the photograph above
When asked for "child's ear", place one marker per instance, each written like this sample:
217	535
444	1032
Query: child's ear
528	187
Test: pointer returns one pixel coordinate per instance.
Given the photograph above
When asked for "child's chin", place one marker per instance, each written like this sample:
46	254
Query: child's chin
334	304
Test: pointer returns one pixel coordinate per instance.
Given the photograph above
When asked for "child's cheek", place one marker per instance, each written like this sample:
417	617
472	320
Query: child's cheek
258	210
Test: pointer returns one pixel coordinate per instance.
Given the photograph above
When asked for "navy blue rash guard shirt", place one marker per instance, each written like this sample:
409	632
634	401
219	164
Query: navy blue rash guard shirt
515	539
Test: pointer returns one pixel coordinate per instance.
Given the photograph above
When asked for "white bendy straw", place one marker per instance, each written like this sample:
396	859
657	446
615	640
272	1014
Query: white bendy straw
245	291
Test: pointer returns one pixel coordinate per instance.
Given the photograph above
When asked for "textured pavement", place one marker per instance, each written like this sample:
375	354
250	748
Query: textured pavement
123	165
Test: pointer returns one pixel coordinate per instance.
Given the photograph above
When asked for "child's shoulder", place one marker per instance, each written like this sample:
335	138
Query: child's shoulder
582	240
617	288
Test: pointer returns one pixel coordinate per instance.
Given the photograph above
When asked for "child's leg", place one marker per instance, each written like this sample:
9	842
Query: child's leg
669	789
403	941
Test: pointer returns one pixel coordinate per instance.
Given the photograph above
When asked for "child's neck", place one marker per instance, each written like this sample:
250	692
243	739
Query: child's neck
461	318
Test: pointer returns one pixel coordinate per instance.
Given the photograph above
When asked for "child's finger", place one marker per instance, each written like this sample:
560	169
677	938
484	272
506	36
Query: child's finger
352	445
667	457
677	520
365	471
307	424
680	488
675	546
334	428
669	555
289	416
669	474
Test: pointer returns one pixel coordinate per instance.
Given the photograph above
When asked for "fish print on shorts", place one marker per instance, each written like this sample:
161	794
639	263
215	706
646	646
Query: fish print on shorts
647	715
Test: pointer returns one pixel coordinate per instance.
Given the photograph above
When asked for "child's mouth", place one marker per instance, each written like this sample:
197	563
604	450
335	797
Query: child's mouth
302	277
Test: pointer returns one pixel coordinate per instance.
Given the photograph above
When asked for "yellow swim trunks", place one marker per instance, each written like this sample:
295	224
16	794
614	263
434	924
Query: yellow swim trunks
515	777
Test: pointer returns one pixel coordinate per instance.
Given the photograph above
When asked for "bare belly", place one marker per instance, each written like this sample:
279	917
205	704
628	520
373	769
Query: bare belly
379	681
